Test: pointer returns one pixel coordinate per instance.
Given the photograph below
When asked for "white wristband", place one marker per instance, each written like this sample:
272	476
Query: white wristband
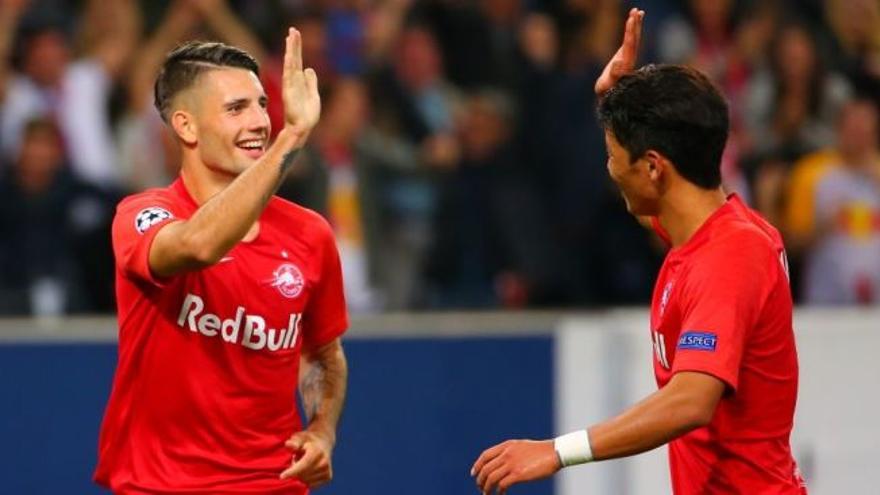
573	448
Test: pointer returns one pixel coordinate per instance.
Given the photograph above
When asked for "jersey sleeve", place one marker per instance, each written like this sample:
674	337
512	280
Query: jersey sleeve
138	219
722	300
325	316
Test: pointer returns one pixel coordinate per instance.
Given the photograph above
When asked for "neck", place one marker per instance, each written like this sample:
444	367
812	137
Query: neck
201	182
684	212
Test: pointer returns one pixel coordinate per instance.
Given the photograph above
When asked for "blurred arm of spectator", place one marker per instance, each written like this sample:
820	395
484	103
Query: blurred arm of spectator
146	151
229	27
383	26
110	33
179	23
799	216
10	14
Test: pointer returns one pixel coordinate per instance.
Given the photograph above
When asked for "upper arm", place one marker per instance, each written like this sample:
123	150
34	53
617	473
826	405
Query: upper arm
723	297
170	254
326	317
150	240
699	392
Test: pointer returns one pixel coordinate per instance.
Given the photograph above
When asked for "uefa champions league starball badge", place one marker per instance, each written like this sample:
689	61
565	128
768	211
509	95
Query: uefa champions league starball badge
148	217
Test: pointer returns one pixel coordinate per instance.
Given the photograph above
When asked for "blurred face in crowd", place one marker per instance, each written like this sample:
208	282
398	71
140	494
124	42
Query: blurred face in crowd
712	15
45	57
39	158
795	54
638	181
418	60
857	129
223	119
347	111
484	128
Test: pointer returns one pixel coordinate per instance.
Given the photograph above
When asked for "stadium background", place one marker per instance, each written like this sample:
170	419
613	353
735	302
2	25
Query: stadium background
460	164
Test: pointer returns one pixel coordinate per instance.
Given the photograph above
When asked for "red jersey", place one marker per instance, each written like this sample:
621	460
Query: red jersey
204	395
722	306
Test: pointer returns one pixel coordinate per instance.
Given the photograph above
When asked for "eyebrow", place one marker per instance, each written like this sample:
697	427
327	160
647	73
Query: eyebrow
263	100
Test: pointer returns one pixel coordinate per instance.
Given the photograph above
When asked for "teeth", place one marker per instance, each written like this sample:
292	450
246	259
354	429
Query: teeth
257	144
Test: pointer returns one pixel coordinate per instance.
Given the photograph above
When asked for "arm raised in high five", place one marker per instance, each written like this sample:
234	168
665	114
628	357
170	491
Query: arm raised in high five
226	217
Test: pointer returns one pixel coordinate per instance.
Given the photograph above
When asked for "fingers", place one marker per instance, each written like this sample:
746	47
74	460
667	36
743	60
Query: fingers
302	465
312	84
485	457
492	473
287	71
632	37
296	46
313	468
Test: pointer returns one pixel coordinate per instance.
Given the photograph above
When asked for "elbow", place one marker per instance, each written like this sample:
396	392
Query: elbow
695	415
200	251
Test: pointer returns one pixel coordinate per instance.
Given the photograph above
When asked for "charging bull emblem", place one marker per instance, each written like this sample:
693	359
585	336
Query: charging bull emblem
288	280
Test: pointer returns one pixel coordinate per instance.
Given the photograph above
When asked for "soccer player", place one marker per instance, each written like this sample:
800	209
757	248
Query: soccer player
721	315
228	297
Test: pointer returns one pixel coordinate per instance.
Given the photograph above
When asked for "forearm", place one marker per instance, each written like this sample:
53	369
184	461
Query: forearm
322	385
177	24
224	220
225	24
665	415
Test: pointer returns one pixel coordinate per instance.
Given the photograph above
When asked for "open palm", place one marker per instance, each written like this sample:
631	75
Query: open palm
624	61
302	103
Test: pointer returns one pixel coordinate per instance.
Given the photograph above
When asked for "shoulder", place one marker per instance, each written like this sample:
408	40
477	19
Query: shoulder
745	240
160	196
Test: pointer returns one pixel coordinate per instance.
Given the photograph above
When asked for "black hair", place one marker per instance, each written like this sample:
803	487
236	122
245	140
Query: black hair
188	61
674	110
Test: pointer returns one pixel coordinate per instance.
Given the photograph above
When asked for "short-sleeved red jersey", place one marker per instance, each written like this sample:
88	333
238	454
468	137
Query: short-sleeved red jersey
722	306
204	395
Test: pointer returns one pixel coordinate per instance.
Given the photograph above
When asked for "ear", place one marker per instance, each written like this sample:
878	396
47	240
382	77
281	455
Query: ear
184	126
657	164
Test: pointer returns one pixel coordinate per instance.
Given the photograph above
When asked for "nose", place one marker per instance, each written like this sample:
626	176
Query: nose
257	119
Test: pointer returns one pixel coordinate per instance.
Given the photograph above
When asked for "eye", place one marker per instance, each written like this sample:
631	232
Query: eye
236	109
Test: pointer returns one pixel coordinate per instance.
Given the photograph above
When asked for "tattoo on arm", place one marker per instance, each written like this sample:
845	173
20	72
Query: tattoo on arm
323	384
312	388
288	160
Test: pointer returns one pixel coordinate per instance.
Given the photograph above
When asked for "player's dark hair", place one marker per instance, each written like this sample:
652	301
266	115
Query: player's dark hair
188	61
674	110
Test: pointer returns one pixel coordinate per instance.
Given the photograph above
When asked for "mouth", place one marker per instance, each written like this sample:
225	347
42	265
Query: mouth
253	148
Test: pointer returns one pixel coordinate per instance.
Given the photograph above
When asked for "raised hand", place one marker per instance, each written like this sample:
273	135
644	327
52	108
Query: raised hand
624	61
302	103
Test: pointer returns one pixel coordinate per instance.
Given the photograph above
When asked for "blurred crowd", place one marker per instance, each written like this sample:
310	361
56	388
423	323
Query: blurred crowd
458	157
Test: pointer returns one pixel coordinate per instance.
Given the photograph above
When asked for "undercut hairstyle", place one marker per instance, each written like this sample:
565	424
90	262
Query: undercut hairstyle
674	110
188	61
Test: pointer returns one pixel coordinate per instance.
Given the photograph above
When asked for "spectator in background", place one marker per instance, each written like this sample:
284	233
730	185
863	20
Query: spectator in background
791	106
73	92
488	249
54	232
344	174
563	153
834	212
856	28
790	111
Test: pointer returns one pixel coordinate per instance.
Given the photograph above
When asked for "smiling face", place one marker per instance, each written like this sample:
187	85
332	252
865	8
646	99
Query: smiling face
638	181
223	119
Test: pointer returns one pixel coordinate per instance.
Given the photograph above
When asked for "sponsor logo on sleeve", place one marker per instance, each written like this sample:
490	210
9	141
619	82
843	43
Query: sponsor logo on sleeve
148	217
697	341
